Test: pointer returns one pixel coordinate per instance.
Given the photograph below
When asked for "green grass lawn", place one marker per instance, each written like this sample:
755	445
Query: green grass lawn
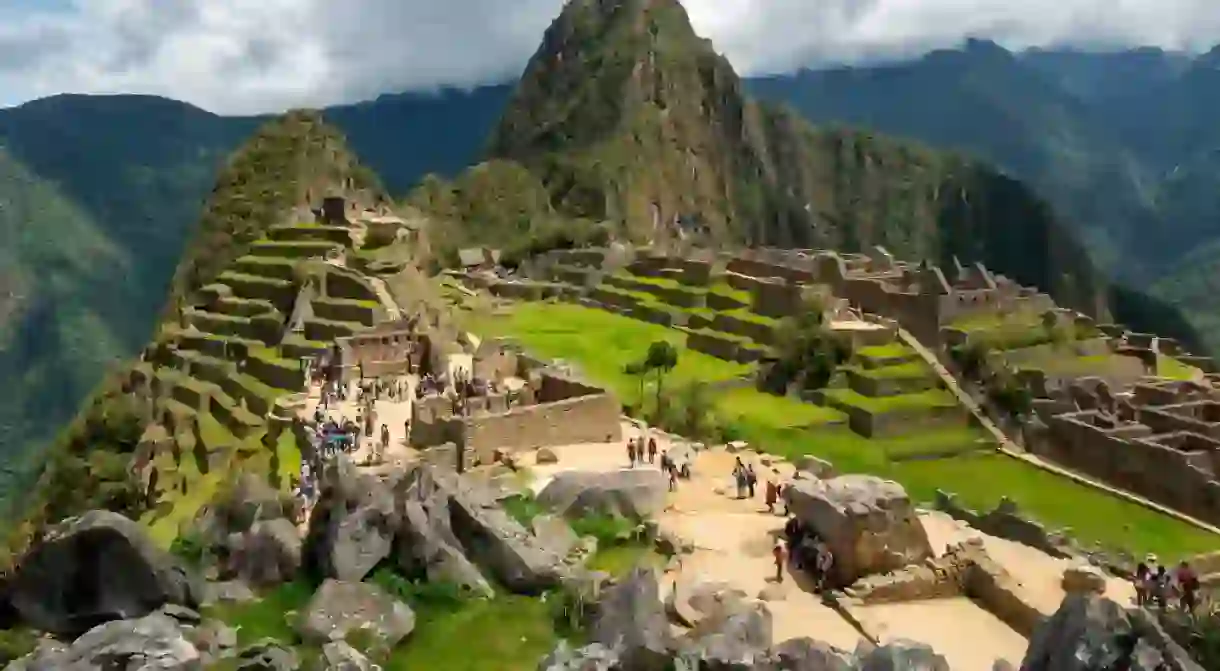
1092	515
508	633
932	398
892	350
911	370
1169	367
748	404
602	343
985	321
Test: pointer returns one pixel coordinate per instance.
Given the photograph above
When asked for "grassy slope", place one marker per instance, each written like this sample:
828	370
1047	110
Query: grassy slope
600	342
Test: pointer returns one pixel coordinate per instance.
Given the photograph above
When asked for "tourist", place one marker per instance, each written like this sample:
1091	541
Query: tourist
640	447
824	562
385	441
631	452
751	479
673	479
781	558
739	478
1188	587
1159	589
652	450
1142	574
772	493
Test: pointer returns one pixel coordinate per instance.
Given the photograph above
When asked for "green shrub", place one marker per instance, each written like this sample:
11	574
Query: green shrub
425	596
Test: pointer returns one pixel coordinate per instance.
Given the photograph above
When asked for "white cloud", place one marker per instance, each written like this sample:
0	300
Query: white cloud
238	56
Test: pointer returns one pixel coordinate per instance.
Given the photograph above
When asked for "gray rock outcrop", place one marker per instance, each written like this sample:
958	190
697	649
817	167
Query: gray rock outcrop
869	523
631	621
452	524
1093	632
339	608
96	568
151	643
353	525
736	638
633	494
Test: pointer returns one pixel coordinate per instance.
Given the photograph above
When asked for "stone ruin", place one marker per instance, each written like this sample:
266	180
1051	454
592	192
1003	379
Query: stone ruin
1159	439
518	404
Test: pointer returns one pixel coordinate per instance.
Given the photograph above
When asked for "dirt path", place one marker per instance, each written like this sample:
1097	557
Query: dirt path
732	538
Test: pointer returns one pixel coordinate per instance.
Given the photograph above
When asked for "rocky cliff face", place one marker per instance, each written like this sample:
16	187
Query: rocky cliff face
626	114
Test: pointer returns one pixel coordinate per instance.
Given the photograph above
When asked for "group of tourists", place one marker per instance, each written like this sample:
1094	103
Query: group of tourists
1155	585
641	450
806	551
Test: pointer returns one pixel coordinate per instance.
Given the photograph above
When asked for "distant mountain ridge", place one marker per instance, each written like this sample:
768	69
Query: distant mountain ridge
123	177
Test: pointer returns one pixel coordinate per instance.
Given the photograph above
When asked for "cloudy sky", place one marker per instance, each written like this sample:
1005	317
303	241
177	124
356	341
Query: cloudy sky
242	56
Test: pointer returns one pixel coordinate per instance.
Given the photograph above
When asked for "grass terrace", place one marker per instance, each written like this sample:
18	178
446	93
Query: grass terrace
602	344
880	405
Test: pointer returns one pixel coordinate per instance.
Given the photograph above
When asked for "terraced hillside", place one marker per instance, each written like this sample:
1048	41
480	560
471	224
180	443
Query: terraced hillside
224	381
264	287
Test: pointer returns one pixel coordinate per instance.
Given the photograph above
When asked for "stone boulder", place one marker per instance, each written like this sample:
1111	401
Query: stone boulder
340	608
353	524
869	524
1084	579
554	533
630	620
267	655
735	638
691	600
902	655
592	657
238	508
806	654
633	494
447	516
1093	632
268	554
95	568
339	656
546	456
150	643
816	468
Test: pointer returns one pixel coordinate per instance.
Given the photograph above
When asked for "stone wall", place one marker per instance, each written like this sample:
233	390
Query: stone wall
773	298
275	375
346	311
587	419
1005	521
347	284
761	269
964	570
728	349
746	328
880	425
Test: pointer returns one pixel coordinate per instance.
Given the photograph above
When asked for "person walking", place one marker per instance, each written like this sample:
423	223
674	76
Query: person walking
739	479
652	450
771	495
631	453
1188	587
751	479
780	554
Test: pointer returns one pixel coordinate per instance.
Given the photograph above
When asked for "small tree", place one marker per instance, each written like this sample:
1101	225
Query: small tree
661	358
640	370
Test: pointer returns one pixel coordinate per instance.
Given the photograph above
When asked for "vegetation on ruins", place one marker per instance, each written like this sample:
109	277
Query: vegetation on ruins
807	354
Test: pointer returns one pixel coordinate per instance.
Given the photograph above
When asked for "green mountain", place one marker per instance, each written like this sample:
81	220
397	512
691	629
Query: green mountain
624	116
263	181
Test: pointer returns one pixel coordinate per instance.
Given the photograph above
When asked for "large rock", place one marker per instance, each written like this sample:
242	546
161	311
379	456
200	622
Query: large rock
447	516
339	608
1092	632
592	657
269	553
1086	579
95	568
353	524
692	599
868	523
339	656
736	638
267	655
902	655
634	493
149	643
806	654
631	621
